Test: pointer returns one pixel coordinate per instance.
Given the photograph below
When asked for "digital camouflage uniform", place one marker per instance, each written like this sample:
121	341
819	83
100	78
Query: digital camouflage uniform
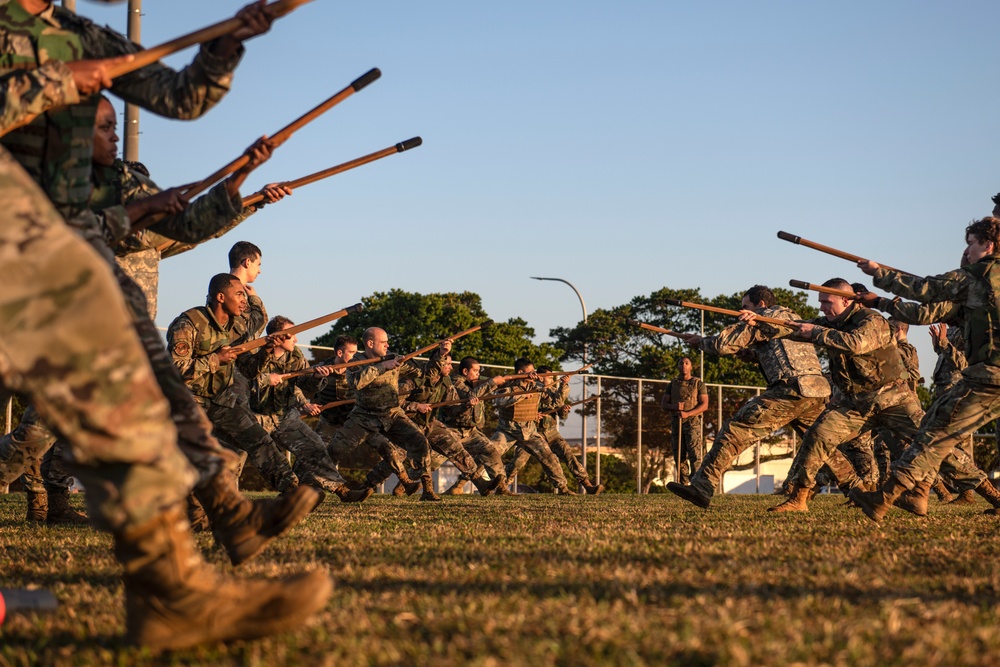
796	394
277	410
686	444
376	412
469	420
550	409
518	425
194	337
866	367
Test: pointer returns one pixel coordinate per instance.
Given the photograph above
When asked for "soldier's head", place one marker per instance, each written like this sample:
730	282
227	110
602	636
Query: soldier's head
548	379
244	261
105	134
523	365
344	348
279	340
859	288
982	238
469	368
996	205
832	306
226	294
376	342
757	297
899	329
685	367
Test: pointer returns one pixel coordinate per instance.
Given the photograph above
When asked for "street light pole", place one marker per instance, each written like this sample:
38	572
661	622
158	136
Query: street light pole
583	417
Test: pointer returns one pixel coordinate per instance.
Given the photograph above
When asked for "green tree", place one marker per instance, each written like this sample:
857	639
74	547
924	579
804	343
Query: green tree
416	320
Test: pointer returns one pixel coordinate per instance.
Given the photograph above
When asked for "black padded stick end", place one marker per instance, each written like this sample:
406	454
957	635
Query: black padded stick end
798	284
408	144
632	323
791	238
672	302
355	308
371	75
485	325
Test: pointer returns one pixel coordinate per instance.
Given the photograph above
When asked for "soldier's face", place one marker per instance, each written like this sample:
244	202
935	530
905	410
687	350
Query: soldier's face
346	353
234	298
471	373
379	345
287	341
252	267
105	135
833	306
977	249
684	366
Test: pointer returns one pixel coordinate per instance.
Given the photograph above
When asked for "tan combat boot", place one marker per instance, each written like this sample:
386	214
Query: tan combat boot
484	486
38	506
349	495
456	489
173	599
409	486
399	490
989	492
798	502
942	492
915	500
967	497
427	483
875	504
243	527
61	512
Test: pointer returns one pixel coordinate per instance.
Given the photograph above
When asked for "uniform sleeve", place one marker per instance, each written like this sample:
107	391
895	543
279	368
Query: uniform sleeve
359	377
702	389
872	334
256	316
733	339
182	339
920	313
952	286
31	92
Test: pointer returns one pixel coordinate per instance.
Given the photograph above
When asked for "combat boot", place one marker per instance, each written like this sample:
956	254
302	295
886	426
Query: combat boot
428	485
990	494
915	500
243	527
457	489
409	485
875	504
196	515
967	497
565	491
399	490
174	599
348	495
61	512
38	506
592	489
798	502
942	492
690	494
484	486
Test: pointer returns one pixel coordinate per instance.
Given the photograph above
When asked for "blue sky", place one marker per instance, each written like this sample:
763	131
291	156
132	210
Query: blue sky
622	146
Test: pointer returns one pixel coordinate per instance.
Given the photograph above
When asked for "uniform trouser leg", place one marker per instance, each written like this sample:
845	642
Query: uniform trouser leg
360	429
516	464
56	475
483	451
23	448
311	459
448	444
67	343
693	449
757	418
241	427
821	443
535	445
860	451
565	453
950	421
406	435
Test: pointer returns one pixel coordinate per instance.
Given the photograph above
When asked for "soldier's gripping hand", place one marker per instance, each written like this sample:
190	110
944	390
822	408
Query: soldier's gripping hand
274	192
225	354
939	333
91	76
691	339
867	299
869	267
312	409
256	21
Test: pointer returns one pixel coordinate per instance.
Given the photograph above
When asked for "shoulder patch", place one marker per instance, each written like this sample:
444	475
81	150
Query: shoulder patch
182	348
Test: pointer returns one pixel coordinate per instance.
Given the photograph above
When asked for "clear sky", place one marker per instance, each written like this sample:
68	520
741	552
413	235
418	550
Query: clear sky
623	146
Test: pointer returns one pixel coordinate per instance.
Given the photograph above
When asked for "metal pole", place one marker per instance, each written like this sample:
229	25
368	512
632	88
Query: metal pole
702	352
131	150
756	459
597	418
638	446
8	427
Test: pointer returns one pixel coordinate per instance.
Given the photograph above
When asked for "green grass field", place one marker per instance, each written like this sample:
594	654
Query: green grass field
555	580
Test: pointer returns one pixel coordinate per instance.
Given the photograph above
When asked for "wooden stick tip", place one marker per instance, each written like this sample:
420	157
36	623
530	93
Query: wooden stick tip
791	238
368	77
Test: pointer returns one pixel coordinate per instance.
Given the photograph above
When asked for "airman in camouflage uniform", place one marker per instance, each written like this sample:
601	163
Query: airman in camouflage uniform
376	412
336	389
686	398
796	392
518	424
551	408
67	342
866	367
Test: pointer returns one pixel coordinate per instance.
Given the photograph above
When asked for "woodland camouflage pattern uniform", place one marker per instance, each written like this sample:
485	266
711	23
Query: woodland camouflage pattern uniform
277	410
686	444
469	420
554	398
796	393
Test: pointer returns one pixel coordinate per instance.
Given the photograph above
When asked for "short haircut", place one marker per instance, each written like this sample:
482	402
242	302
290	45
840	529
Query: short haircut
277	323
898	326
343	341
218	283
985	230
859	288
368	335
521	364
242	250
543	369
839	283
681	361
466	363
759	293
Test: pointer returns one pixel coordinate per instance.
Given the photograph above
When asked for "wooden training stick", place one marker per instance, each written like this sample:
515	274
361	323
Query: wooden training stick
428	348
572	405
340	168
650	327
485	397
735	313
522	376
260	342
800	284
798	240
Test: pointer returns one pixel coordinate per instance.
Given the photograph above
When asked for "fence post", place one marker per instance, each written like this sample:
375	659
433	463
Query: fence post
756	459
598	420
8	427
638	446
583	425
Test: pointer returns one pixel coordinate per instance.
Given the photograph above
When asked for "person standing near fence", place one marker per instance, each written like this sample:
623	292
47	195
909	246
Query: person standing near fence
686	398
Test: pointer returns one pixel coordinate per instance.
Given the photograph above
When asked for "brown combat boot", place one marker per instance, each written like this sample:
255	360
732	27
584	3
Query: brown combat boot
875	504
243	527
38	506
409	486
61	512
565	491
428	485
798	502
915	500
690	494
399	490
456	489
485	486
967	497
990	494
942	492
173	599
196	515
592	489
348	495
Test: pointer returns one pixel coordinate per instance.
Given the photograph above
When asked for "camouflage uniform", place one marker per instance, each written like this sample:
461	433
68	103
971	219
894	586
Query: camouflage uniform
468	421
975	400
554	398
376	412
518	419
866	367
277	410
193	338
795	396
686	446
